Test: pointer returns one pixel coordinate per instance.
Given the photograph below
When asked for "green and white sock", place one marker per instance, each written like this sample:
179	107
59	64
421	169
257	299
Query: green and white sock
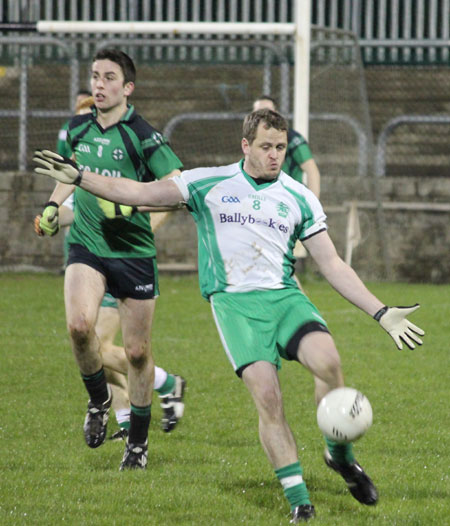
168	386
294	487
123	418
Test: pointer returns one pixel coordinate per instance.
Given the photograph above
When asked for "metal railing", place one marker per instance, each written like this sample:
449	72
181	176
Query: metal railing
363	150
380	153
23	112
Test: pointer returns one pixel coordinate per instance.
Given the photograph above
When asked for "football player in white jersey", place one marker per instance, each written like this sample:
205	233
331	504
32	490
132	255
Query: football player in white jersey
249	215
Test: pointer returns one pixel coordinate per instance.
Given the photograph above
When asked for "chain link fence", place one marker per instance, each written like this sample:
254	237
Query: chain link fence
39	87
410	111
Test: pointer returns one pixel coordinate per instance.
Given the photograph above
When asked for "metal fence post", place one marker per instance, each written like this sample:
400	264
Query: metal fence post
23	109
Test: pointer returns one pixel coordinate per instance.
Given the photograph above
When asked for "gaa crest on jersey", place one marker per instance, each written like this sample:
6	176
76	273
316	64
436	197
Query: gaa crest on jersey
83	148
282	209
230	199
118	154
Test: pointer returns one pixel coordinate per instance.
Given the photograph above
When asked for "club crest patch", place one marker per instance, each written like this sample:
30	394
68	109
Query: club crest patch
118	154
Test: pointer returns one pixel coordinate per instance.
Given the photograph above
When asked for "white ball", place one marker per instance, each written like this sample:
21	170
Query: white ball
344	414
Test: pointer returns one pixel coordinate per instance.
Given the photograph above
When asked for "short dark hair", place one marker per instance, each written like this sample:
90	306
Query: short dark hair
121	58
268	97
269	118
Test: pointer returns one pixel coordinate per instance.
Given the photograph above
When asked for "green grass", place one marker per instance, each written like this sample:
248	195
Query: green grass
211	469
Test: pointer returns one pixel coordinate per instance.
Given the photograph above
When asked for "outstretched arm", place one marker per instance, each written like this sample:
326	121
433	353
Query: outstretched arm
340	275
162	213
128	192
345	280
119	190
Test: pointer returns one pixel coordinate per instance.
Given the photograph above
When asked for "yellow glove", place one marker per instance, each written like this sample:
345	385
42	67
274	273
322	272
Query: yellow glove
49	222
113	210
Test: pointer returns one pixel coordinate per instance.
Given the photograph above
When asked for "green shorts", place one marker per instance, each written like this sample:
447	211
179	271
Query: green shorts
264	324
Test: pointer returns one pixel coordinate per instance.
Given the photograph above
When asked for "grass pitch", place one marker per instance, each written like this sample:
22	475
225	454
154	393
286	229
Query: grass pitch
211	469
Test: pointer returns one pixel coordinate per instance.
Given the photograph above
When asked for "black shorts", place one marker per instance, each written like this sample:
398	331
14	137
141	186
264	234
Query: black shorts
135	278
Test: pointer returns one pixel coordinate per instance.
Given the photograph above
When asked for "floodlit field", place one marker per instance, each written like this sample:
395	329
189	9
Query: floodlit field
211	469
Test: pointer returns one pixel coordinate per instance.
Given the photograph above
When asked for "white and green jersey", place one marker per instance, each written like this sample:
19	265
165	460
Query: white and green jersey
247	231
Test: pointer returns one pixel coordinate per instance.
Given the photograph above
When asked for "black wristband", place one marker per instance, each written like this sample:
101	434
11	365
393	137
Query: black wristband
74	165
51	203
380	313
77	181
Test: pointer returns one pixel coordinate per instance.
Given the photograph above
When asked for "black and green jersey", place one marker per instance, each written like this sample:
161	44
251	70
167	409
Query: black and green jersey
130	148
297	153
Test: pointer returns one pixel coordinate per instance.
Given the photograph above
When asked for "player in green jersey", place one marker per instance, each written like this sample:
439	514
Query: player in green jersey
112	248
170	387
248	216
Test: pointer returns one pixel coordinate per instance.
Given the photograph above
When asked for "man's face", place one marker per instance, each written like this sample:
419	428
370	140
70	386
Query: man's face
265	156
107	85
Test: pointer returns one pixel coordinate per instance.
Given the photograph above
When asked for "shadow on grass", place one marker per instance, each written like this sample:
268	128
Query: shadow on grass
265	494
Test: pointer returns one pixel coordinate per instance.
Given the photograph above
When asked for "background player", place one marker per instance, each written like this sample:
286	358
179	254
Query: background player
245	271
114	251
83	104
170	387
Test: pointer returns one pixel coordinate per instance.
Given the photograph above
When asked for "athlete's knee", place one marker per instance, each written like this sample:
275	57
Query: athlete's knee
138	356
331	366
81	331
